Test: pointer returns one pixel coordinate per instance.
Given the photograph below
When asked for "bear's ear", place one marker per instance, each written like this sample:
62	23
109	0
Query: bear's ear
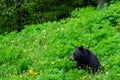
81	48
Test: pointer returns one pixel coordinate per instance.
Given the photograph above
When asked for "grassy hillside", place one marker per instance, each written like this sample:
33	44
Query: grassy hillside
41	52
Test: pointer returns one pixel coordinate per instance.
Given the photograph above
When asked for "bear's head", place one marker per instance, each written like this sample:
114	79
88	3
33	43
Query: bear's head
78	54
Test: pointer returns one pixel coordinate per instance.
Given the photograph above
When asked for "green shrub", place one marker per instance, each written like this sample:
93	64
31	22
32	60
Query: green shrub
42	51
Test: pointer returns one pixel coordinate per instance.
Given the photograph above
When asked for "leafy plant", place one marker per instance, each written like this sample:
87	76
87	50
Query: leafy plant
42	51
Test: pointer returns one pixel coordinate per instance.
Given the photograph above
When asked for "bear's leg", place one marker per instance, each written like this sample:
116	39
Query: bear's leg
94	70
80	65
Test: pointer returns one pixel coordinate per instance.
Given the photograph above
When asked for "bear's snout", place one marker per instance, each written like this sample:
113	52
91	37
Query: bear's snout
72	58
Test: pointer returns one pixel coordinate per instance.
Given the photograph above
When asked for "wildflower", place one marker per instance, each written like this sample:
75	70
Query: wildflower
30	71
52	62
106	73
84	77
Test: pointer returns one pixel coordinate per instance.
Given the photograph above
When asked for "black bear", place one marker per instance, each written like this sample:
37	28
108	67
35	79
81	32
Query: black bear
85	59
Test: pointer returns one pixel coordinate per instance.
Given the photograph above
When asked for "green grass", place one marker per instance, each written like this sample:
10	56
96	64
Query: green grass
41	52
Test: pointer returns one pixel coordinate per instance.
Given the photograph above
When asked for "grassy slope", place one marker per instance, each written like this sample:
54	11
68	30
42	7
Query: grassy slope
42	51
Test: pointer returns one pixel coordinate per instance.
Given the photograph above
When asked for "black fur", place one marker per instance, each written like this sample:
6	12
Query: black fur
85	59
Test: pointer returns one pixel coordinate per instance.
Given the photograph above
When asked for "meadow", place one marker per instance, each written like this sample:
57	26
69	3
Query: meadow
42	51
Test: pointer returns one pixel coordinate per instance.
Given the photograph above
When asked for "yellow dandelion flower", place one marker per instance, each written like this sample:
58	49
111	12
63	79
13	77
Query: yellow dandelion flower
52	62
106	73
30	71
84	77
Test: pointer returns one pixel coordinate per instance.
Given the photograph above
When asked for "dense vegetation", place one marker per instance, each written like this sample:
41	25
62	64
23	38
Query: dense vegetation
41	52
14	14
17	13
